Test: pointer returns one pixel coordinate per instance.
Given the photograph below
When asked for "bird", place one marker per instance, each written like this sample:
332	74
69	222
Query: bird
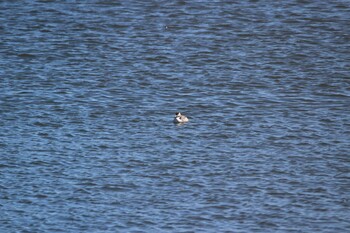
179	118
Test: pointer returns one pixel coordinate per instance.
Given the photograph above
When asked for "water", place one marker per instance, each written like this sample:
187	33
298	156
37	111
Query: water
89	89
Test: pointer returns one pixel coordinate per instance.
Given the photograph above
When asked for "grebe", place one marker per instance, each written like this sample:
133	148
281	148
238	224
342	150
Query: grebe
180	118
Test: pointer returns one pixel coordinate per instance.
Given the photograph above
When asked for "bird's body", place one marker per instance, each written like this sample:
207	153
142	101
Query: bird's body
179	118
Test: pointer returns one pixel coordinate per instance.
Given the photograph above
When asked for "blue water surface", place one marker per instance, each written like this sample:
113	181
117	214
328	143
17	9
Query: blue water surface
89	89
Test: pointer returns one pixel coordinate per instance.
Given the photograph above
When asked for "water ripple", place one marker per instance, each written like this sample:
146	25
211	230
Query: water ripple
88	92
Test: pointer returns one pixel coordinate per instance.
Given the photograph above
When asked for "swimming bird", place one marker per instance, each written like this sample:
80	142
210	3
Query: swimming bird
179	118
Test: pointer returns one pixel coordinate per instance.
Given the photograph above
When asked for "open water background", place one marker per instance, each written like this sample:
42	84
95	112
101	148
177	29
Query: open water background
88	91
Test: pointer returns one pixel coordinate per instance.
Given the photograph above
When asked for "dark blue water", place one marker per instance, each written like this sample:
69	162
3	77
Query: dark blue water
89	89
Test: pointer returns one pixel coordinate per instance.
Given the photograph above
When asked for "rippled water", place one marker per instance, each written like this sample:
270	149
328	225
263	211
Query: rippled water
89	89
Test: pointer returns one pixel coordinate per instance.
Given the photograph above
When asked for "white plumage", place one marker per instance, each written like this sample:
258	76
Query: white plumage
179	118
